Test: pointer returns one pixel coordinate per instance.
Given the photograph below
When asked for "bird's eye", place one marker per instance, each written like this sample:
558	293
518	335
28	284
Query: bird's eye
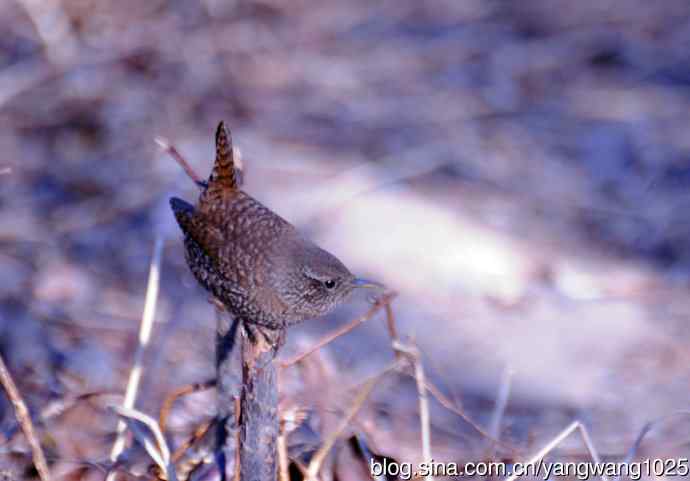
330	284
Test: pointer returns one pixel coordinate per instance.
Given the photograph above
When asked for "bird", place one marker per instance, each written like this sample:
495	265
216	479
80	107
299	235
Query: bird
257	264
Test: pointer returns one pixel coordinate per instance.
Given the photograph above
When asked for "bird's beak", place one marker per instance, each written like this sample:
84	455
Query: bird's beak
367	284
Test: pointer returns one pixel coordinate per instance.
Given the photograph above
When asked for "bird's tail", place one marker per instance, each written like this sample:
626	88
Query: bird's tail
223	175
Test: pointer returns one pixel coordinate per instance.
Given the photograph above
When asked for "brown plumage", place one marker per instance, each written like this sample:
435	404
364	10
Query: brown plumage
253	260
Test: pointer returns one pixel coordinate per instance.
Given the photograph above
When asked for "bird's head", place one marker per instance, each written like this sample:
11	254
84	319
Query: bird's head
315	283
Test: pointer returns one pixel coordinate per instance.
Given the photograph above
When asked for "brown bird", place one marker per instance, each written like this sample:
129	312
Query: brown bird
255	262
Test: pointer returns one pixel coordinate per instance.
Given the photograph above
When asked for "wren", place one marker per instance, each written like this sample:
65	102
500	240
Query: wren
255	262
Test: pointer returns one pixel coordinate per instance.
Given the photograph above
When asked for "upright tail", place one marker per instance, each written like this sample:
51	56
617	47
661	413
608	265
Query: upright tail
223	175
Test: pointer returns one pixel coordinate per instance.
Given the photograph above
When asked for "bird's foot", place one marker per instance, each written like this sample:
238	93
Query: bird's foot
274	338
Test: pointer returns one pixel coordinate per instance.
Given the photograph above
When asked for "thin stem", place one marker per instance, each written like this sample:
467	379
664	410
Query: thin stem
330	337
24	419
145	329
170	149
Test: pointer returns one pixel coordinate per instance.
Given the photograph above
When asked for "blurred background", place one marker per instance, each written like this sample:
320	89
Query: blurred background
517	170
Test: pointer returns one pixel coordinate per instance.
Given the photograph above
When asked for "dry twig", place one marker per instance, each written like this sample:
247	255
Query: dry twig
449	405
319	457
575	425
24	419
500	408
501	403
198	433
170	149
390	322
58	407
645	430
151	438
283	461
177	394
413	355
384	300
144	337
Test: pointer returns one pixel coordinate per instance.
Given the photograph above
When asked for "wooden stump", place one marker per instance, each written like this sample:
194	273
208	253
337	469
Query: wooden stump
259	410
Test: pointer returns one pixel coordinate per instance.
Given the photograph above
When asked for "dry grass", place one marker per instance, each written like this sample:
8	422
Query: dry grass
516	171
